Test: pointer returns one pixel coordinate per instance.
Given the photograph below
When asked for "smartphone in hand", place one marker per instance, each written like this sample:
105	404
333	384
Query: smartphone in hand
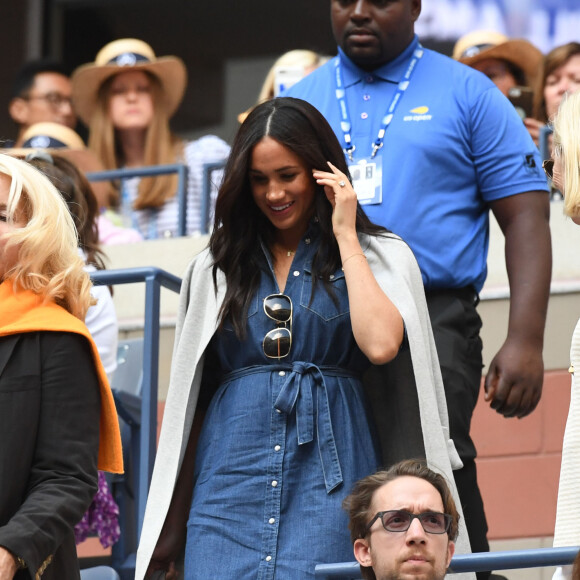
522	98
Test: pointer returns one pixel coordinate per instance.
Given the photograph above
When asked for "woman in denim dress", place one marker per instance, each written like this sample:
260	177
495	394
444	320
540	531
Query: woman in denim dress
286	431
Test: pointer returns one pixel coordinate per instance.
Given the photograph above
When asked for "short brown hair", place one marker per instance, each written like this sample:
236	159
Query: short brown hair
358	503
556	58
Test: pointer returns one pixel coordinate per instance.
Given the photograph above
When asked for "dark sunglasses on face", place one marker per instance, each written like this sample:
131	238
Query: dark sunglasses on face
548	167
277	342
401	520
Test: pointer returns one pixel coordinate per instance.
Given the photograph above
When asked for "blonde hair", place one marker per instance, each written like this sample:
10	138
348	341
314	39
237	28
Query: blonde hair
49	263
161	146
567	148
304	58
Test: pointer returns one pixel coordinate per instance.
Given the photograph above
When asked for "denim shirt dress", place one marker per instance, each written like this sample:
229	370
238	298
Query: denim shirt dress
283	441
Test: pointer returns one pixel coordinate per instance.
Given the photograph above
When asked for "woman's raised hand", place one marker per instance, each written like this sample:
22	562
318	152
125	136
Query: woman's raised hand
342	197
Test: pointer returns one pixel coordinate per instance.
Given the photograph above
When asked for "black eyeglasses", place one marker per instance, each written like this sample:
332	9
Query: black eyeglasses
548	167
400	521
277	342
55	100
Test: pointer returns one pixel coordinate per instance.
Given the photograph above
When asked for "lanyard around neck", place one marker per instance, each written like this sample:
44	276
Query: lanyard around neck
345	123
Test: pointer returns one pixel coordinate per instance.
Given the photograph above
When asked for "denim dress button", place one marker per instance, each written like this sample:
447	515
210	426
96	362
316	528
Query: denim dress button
282	373
296	273
272	521
277	447
274	483
268	558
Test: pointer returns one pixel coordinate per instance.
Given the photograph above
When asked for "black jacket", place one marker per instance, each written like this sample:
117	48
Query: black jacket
49	441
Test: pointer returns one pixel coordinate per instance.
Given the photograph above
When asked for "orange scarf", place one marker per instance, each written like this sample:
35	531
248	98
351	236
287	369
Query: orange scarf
24	311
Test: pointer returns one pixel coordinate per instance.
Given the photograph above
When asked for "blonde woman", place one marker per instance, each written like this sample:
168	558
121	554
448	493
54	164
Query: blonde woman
127	97
57	416
564	169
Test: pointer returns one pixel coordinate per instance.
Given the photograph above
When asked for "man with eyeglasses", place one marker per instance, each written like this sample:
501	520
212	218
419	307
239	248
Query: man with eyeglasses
41	93
403	523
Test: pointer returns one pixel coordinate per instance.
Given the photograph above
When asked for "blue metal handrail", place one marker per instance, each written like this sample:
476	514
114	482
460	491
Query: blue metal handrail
507	560
154	279
152	171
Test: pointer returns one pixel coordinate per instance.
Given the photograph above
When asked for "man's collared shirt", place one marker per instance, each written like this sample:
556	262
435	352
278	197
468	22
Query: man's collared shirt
455	144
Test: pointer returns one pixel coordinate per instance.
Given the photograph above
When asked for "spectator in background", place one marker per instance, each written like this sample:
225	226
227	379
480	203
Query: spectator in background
57	415
513	65
508	63
101	319
560	75
298	63
41	92
451	149
564	170
126	97
388	541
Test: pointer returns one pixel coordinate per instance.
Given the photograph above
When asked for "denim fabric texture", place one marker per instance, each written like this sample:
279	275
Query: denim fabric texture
283	440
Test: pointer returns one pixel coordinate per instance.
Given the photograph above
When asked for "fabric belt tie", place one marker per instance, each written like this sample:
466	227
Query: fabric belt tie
302	379
297	392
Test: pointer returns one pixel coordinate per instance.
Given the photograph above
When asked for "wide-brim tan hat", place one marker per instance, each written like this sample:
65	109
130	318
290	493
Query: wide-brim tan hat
51	136
483	44
47	136
121	55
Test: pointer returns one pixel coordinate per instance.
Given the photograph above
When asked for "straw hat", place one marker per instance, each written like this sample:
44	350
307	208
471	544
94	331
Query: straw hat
56	139
482	44
51	136
121	55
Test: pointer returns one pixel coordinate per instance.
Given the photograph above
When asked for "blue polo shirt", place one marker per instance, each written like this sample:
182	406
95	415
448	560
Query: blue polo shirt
454	145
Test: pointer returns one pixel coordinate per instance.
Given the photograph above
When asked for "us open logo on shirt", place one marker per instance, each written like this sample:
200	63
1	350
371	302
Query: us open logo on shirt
418	114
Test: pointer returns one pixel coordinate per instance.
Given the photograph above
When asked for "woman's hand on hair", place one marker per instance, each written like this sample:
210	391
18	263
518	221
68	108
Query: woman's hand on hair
341	196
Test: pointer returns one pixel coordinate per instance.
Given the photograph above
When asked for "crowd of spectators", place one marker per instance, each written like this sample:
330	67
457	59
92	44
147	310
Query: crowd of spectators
485	152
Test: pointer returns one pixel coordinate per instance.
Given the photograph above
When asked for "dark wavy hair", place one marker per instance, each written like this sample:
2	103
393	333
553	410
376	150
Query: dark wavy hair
239	224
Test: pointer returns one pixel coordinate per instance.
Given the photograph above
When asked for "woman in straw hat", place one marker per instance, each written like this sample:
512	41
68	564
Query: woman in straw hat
126	97
509	63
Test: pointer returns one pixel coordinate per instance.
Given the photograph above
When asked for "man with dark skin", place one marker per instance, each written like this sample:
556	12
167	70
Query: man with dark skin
41	93
450	149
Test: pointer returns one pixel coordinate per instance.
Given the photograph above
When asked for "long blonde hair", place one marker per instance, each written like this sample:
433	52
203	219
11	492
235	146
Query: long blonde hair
161	146
567	148
48	263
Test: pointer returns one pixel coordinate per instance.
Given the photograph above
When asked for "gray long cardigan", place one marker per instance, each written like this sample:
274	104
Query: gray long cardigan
406	395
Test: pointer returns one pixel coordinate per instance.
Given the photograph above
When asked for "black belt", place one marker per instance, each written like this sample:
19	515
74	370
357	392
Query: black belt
467	293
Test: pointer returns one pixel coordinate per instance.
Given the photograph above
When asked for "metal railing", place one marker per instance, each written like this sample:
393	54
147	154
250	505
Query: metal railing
508	560
153	171
154	279
182	175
